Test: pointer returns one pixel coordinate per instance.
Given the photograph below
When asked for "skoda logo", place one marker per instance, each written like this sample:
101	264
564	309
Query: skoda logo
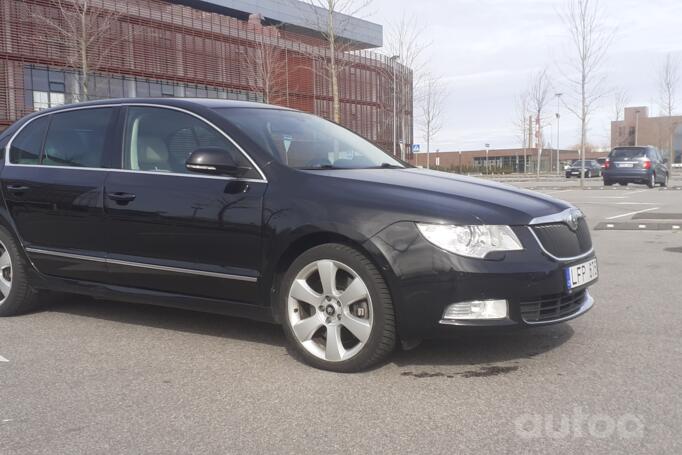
573	218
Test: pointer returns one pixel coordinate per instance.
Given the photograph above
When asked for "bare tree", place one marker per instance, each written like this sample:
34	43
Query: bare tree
431	104
669	80
621	98
404	41
521	123
538	99
83	27
265	62
331	20
590	41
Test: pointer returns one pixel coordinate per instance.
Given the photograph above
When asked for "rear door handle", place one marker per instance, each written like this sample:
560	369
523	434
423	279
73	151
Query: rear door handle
17	188
121	198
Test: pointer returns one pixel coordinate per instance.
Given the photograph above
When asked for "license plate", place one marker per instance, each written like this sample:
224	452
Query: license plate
575	172
625	164
581	274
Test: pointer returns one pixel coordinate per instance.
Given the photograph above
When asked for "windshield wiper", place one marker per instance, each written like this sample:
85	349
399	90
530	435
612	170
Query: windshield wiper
390	166
320	167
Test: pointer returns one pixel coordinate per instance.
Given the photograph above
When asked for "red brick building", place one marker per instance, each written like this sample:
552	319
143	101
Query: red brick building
201	48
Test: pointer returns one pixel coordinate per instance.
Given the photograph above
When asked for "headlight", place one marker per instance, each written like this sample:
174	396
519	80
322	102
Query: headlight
474	241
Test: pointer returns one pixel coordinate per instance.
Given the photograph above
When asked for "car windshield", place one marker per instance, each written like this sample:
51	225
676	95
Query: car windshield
305	141
628	153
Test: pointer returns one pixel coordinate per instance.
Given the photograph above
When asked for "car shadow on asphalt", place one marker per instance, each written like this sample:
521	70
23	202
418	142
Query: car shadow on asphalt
170	319
482	348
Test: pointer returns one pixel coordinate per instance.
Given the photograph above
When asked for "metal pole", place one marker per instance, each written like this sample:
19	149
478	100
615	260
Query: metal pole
558	117
636	128
394	60
487	166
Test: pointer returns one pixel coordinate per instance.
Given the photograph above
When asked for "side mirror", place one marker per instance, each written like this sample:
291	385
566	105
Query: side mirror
214	161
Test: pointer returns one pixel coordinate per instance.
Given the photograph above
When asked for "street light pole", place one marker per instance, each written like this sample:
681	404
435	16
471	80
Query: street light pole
636	127
558	117
487	167
394	59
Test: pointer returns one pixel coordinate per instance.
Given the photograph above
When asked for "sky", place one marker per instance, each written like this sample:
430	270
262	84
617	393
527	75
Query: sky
486	51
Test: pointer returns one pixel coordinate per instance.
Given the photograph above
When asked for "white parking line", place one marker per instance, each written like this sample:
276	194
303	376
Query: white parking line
2	359
636	203
632	213
637	192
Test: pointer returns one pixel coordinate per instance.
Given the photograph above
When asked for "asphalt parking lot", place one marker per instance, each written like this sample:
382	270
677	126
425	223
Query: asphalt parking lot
100	377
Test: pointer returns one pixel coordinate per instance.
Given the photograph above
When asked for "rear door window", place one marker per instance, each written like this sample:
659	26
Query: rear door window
77	138
26	146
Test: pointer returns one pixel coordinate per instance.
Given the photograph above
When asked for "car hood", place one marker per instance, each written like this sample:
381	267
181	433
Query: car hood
431	196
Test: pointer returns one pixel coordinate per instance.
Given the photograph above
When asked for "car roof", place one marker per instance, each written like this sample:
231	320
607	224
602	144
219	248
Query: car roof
174	102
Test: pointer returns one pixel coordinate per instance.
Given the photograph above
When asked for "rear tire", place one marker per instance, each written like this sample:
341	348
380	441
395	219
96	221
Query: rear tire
608	182
588	174
362	324
16	295
665	180
652	181
623	183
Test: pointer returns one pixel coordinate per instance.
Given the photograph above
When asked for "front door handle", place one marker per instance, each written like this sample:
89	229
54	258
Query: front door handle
121	198
17	188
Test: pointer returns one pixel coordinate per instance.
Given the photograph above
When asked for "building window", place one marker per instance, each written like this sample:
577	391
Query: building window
44	88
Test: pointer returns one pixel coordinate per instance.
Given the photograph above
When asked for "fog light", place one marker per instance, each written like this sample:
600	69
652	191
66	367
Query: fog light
476	309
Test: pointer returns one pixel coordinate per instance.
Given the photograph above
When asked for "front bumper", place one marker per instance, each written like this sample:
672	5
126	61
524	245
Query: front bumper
424	280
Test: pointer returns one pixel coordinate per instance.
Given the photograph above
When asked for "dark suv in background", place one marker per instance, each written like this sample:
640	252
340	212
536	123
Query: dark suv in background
636	165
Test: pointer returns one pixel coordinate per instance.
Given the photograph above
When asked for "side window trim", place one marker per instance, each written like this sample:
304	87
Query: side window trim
8	162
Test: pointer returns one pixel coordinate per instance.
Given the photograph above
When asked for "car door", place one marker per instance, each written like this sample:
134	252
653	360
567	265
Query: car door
659	165
176	231
53	180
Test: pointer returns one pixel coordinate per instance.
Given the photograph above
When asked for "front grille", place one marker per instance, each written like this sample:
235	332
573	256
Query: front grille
551	307
562	242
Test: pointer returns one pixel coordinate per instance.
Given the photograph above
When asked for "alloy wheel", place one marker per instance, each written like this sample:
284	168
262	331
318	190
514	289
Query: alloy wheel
5	273
330	310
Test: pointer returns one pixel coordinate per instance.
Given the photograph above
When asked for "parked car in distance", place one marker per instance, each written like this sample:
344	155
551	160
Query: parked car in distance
602	162
636	165
268	213
591	168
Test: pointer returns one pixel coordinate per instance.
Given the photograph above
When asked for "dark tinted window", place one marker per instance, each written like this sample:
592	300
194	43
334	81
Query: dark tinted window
161	140
628	153
77	138
26	146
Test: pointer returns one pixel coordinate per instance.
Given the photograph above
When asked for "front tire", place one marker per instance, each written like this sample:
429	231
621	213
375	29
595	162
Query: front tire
336	309
666	179
16	295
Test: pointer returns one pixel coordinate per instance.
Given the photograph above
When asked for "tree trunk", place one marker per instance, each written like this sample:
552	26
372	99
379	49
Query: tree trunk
333	70
84	55
428	146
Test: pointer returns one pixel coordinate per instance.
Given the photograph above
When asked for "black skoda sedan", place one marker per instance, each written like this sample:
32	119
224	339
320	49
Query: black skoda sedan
273	214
